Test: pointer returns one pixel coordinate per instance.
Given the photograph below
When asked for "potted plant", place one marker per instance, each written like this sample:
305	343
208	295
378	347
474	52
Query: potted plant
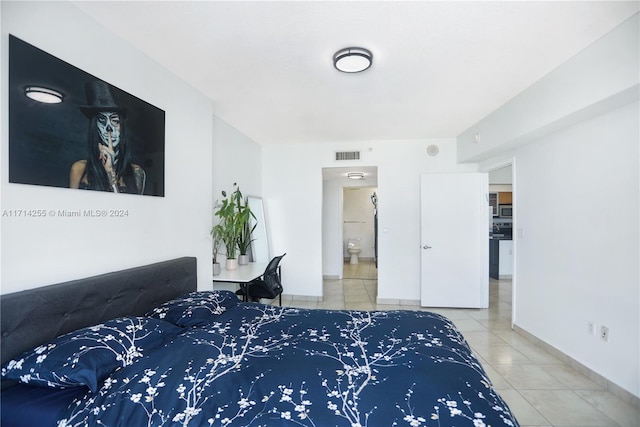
230	227
216	235
244	238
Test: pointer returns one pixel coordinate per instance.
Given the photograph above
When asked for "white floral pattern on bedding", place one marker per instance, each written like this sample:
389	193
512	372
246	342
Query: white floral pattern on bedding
260	365
86	356
195	308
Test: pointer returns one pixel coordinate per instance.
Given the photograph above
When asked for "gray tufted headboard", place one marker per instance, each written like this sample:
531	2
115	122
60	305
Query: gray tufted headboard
35	316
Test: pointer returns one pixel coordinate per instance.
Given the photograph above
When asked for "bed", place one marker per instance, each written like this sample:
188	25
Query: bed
141	347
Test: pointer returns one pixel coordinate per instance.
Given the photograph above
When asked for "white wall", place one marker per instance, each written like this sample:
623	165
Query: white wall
293	193
577	203
40	251
236	158
601	77
332	257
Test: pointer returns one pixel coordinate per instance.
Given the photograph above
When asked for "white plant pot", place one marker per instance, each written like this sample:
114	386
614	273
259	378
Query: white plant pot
243	259
232	264
216	268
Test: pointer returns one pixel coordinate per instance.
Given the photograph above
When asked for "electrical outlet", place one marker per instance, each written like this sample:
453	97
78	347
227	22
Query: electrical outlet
604	333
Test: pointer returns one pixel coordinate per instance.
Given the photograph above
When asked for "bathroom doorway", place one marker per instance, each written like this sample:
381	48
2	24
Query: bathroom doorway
359	232
346	285
335	181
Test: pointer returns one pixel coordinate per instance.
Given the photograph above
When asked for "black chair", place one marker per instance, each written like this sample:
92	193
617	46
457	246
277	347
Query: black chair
269	285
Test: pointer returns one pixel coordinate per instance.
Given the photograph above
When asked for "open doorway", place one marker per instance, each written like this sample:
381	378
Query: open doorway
502	234
359	231
341	289
335	182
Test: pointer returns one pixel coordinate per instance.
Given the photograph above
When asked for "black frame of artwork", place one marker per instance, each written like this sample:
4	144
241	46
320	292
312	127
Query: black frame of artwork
46	139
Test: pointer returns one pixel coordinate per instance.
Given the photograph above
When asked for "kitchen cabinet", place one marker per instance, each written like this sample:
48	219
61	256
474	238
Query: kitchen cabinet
494	253
505	197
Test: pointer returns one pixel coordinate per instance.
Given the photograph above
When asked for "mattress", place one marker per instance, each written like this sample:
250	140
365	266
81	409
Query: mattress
226	363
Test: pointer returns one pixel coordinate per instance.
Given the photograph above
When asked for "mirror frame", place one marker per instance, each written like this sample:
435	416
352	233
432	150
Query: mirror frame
260	244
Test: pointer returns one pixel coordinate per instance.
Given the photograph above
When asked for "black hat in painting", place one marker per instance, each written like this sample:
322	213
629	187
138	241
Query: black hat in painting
100	98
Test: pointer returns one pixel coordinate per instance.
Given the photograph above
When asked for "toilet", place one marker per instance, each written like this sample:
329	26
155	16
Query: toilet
353	247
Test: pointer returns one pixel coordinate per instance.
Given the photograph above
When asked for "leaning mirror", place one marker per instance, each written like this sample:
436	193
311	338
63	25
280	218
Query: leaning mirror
260	244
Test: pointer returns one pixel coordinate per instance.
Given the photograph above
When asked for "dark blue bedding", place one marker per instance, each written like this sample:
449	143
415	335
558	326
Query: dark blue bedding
260	365
32	406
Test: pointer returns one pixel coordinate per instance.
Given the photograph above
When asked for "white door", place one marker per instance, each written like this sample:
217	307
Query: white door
455	240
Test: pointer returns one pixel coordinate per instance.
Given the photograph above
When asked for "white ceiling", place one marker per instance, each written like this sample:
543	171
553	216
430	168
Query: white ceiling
439	66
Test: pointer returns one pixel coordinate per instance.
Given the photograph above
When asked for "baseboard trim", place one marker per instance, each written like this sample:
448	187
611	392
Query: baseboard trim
290	297
392	301
347	259
612	387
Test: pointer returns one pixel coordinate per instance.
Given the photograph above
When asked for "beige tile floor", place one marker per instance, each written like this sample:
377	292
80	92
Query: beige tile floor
540	389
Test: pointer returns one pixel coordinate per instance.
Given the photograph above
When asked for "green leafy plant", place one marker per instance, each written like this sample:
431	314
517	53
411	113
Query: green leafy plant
216	235
244	216
230	227
234	229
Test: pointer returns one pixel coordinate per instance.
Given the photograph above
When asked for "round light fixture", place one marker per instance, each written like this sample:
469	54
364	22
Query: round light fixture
355	175
352	59
43	94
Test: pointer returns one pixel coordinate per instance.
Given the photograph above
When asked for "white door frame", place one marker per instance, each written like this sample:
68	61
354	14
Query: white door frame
516	230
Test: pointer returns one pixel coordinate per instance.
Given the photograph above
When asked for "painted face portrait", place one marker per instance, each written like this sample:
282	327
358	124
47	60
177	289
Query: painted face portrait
109	123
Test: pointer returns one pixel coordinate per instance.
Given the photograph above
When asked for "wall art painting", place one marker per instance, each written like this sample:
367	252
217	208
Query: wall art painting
70	129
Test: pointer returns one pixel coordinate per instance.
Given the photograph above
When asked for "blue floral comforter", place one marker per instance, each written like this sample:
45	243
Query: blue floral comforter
261	365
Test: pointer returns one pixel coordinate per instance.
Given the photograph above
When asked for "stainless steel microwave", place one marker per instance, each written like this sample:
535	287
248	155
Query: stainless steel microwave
505	211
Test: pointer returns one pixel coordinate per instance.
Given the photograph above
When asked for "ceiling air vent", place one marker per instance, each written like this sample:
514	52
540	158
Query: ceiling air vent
348	155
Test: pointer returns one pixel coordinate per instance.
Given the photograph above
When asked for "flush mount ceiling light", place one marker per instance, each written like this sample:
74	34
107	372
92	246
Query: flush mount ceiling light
355	175
43	94
352	59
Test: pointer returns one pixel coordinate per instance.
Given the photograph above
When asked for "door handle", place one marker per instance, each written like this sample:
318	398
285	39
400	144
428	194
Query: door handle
426	247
